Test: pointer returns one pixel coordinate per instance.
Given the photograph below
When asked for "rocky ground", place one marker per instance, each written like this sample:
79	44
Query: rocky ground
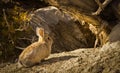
105	59
83	60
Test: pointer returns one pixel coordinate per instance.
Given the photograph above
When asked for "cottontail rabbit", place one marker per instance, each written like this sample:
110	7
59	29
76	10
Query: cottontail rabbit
37	51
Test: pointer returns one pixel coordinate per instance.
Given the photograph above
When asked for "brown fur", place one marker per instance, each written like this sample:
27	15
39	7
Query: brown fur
37	51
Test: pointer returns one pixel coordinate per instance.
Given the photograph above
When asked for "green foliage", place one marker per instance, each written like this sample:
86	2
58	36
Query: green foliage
13	25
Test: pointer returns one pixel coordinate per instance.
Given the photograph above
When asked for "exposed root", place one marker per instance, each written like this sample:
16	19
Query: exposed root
101	6
104	24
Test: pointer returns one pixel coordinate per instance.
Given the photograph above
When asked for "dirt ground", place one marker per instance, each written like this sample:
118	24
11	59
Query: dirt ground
83	60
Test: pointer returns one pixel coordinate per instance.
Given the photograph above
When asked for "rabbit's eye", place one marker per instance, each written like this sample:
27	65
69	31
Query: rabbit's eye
48	38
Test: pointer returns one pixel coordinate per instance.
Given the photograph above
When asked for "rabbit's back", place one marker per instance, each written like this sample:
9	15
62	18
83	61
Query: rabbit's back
34	53
29	51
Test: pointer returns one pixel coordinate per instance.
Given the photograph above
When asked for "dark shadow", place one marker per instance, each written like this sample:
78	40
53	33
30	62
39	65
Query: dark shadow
56	59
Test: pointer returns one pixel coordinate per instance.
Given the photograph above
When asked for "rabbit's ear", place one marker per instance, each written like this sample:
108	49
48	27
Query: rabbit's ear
40	32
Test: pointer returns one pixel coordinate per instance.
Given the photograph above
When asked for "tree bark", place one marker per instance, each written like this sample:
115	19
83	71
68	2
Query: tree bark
67	34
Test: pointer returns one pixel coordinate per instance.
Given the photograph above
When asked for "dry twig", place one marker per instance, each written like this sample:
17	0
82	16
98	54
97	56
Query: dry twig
101	6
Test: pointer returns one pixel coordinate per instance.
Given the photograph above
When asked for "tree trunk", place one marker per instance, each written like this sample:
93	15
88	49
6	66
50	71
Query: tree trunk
66	33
